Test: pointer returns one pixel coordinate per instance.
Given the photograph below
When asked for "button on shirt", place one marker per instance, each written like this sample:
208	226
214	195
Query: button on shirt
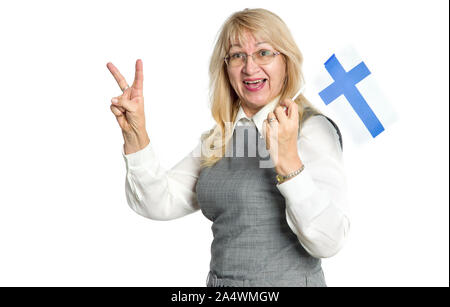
316	199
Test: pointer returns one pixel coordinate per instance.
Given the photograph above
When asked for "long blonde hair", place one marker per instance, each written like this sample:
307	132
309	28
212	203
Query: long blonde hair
224	100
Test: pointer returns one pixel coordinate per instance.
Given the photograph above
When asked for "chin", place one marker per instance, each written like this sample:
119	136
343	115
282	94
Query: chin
259	100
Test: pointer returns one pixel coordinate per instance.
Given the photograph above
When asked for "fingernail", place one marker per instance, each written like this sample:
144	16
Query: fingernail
114	100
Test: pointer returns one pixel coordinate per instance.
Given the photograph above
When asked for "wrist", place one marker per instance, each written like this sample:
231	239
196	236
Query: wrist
288	165
135	142
283	178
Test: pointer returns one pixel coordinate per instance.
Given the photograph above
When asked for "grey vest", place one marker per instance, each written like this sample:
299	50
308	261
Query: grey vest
253	244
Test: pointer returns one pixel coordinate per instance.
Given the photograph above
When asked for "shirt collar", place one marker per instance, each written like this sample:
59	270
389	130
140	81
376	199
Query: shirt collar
259	117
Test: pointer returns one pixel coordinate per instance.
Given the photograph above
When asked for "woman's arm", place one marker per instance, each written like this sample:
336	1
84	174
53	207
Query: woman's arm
316	199
157	193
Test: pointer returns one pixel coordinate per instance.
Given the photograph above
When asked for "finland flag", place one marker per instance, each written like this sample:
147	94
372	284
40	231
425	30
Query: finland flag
351	94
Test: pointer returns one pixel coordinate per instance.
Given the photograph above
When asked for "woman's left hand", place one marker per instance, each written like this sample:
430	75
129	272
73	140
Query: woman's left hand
281	137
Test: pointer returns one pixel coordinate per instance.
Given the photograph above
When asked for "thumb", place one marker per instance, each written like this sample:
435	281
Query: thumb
121	102
267	134
117	112
120	116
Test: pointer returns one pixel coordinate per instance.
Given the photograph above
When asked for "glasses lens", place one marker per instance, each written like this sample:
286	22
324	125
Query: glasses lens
263	57
236	59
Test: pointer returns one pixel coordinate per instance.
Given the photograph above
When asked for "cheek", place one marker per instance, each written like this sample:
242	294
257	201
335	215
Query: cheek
234	79
276	74
276	81
278	78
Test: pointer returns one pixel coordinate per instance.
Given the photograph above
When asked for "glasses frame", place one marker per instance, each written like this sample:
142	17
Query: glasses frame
275	53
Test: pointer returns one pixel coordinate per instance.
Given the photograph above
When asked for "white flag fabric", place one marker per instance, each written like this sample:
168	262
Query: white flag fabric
351	94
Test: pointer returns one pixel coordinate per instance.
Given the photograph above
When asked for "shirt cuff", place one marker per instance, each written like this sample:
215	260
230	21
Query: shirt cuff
142	158
303	196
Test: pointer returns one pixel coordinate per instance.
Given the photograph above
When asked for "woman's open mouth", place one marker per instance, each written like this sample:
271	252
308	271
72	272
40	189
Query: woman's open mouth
254	85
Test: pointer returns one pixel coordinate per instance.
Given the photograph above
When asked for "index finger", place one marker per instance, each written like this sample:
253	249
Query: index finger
290	107
117	75
138	83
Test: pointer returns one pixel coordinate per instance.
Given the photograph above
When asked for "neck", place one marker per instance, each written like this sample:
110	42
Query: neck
252	111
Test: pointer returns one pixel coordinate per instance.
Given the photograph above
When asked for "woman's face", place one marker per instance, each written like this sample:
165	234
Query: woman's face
255	96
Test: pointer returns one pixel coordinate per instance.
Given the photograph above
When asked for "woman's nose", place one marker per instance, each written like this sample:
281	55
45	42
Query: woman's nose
250	66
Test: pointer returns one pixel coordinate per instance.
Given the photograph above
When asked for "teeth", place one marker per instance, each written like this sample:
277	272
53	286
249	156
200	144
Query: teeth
253	82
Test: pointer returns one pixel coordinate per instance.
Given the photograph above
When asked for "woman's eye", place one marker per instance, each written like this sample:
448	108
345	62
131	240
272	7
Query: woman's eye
236	55
265	53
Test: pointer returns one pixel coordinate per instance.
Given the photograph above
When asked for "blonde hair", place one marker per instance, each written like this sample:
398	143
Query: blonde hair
224	101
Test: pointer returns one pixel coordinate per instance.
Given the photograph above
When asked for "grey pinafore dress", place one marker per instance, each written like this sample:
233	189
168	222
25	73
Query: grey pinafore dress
253	245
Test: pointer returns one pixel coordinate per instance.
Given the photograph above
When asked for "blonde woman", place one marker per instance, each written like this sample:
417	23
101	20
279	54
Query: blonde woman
269	175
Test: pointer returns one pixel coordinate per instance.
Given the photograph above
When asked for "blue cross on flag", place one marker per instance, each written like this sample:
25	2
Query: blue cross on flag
349	90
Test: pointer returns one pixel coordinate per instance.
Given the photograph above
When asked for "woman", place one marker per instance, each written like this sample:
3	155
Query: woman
266	232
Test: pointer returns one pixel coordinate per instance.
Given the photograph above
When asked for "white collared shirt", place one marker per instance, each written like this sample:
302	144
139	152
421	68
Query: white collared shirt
316	199
258	118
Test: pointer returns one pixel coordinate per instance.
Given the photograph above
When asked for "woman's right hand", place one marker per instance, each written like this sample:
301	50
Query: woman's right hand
129	109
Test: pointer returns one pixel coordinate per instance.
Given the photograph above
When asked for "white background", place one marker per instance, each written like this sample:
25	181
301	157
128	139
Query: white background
64	220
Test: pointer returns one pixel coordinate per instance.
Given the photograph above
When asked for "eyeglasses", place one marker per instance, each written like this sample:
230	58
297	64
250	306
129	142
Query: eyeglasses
261	57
